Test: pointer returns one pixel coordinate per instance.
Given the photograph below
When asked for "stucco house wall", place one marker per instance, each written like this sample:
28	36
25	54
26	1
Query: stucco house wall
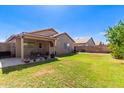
64	45
4	47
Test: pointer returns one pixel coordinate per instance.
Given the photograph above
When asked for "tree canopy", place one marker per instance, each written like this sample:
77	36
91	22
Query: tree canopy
115	37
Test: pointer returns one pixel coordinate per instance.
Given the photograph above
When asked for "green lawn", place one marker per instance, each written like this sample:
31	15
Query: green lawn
79	70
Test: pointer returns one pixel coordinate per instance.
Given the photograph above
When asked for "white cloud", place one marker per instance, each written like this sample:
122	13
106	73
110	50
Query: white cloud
102	33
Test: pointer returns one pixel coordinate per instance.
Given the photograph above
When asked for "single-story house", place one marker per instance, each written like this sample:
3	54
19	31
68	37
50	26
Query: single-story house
89	45
47	41
81	43
84	41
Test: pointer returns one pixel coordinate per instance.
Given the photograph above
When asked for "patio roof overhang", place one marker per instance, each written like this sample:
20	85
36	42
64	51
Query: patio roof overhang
37	37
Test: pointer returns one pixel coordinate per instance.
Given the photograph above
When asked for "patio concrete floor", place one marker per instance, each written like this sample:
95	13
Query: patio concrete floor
6	62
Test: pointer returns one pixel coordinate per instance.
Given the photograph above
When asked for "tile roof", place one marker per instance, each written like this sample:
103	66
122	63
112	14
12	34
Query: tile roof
82	39
44	30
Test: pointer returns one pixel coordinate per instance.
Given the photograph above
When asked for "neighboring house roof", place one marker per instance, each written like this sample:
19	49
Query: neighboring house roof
98	43
82	39
11	37
3	43
63	34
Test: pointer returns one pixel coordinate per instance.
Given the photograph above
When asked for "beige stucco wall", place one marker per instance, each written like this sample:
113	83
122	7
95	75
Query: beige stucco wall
60	45
4	47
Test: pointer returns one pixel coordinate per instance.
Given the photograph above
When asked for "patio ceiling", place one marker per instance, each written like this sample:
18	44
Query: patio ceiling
38	37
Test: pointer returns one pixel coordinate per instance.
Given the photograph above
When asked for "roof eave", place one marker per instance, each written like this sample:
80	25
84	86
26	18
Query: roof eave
62	34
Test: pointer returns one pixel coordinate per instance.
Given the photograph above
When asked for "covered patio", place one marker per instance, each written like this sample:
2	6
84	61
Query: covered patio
33	46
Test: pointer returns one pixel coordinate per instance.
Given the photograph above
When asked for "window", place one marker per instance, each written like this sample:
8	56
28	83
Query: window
66	45
40	45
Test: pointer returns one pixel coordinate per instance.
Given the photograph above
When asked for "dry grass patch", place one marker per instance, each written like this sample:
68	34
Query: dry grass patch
70	83
43	72
117	61
67	62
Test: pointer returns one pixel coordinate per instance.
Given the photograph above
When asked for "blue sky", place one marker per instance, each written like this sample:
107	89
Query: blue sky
77	21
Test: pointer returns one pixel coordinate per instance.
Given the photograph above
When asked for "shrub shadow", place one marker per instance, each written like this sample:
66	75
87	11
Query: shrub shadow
67	55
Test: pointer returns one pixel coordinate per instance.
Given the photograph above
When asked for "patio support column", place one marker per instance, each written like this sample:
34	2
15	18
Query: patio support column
55	47
22	48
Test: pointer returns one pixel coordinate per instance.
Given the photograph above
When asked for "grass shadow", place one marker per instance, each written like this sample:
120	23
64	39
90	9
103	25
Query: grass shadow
67	55
7	70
